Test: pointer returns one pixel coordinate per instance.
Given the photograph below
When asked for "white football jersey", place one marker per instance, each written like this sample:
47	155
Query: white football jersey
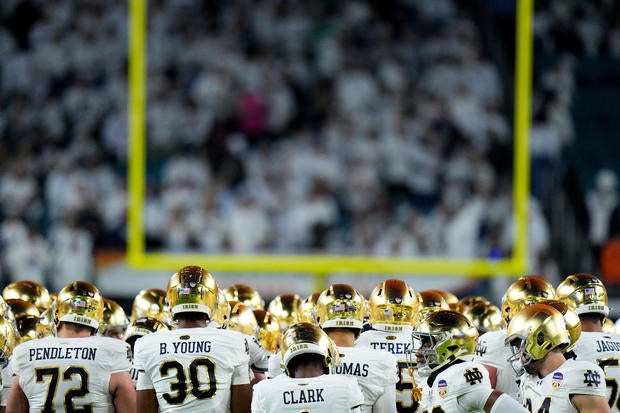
462	386
602	349
69	374
375	371
552	392
192	369
322	394
397	341
490	350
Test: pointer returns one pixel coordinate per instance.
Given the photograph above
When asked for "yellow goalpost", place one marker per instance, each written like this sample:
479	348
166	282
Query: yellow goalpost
321	265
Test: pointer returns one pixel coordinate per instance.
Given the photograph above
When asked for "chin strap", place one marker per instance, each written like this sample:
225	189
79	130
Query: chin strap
416	392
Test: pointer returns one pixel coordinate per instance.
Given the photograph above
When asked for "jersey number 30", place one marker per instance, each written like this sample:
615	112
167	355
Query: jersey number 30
179	388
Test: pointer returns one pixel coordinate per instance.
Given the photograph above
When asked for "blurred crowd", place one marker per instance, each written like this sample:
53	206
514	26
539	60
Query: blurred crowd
275	127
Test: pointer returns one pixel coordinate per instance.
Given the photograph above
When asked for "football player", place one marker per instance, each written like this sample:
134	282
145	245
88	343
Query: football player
245	294
308	356
151	303
31	291
192	368
454	383
490	350
77	370
339	311
537	337
393	311
587	296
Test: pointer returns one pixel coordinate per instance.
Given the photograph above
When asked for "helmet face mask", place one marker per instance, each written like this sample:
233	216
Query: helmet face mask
443	336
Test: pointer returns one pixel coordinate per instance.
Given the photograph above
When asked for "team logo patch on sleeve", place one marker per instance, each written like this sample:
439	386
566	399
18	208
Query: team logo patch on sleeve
556	380
473	376
442	388
592	378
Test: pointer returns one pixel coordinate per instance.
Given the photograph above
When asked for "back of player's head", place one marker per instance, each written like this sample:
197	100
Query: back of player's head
192	290
444	336
393	302
534	332
340	306
525	291
585	293
80	303
303	339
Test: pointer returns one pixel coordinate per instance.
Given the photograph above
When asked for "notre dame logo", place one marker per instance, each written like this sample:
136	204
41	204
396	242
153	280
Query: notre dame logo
472	376
481	348
592	378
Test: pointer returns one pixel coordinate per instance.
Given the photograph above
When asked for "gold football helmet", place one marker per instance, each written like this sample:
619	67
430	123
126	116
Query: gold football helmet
430	301
192	289
242	319
269	332
31	291
306	309
26	319
151	303
585	293
533	333
573	323
113	316
7	341
285	307
485	316
45	326
393	302
79	302
305	338
451	299
141	327
340	306
246	295
221	313
525	291
444	336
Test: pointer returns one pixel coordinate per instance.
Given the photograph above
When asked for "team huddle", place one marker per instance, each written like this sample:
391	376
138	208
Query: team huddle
196	347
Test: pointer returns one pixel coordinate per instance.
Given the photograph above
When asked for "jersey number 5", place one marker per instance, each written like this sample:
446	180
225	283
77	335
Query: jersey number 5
67	375
179	388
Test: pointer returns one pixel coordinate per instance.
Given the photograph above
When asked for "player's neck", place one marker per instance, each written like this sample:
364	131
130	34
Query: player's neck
192	323
66	333
552	362
342	337
307	371
591	326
